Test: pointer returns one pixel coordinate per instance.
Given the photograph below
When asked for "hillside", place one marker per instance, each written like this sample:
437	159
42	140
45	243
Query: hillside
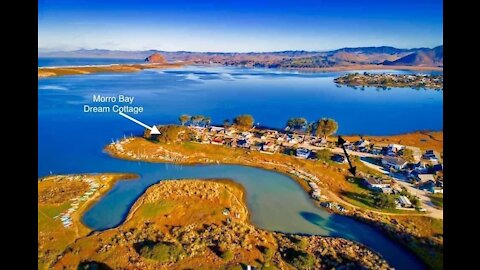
424	57
299	59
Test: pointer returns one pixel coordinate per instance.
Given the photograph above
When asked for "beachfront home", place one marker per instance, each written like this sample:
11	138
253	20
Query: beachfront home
215	129
362	145
339	158
404	202
376	183
218	141
394	162
303	153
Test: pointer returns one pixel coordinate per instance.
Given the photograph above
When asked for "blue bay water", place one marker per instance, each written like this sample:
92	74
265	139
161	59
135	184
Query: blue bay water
71	141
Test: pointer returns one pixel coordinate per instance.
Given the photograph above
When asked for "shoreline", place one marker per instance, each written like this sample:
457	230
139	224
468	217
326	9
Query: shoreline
54	71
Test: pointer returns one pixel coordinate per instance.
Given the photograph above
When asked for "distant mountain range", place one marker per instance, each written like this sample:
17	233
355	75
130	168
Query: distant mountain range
384	55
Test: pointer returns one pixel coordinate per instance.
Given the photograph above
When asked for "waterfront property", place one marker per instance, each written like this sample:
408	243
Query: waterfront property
394	162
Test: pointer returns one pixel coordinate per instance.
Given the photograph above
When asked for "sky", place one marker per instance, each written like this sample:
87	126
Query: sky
237	26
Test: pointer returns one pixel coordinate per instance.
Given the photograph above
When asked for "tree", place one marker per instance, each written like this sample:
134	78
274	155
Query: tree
207	120
326	127
244	121
382	200
296	123
184	118
197	119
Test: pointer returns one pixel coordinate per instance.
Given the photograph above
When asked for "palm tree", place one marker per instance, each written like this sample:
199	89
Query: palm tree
207	121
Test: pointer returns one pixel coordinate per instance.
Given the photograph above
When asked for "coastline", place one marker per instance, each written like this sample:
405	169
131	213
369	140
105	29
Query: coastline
53	71
379	220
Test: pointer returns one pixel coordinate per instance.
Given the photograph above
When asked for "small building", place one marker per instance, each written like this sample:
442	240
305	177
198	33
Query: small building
256	147
362	143
339	158
404	202
247	134
424	178
302	152
376	183
218	141
394	162
217	129
396	147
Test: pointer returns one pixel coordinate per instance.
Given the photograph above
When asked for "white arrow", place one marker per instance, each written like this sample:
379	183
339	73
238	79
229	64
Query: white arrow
153	129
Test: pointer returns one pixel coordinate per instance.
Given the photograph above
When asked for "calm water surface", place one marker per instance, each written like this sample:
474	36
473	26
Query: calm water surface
71	141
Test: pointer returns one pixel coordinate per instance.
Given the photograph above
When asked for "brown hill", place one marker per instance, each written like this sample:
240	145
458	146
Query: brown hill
427	57
156	58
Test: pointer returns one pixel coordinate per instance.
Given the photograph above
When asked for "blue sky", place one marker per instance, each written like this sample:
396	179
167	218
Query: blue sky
241	25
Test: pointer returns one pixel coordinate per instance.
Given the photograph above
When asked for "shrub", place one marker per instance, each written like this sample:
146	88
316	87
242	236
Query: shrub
227	255
299	259
162	251
385	201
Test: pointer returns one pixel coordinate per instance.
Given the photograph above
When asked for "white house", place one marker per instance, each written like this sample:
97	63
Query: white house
303	153
395	162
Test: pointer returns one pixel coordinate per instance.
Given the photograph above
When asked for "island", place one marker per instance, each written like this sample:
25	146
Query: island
385	80
312	162
178	224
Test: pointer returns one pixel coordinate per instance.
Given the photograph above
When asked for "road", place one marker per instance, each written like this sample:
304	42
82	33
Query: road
432	211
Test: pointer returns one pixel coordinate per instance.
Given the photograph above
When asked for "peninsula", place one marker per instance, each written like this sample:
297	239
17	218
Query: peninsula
153	61
314	167
392	80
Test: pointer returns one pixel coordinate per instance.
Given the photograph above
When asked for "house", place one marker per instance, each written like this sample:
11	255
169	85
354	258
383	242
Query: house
303	152
339	158
376	150
376	183
243	143
430	157
217	141
424	178
394	162
432	186
435	168
395	147
316	194
404	201
217	129
269	146
386	190
362	144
